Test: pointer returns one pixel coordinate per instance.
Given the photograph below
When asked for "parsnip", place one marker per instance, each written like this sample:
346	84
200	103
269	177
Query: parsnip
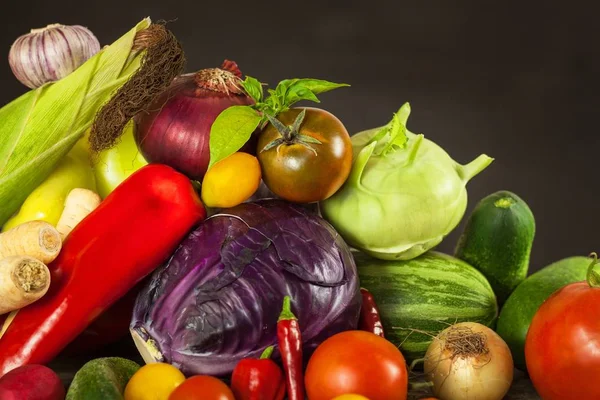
37	239
23	280
78	205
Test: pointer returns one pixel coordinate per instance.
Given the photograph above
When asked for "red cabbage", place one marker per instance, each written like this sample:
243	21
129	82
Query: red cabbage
218	298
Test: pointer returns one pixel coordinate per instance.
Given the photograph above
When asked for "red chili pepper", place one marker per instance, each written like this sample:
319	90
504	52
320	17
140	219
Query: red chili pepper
290	347
370	319
131	233
258	379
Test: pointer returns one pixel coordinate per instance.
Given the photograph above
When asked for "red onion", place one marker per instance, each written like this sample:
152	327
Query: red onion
176	129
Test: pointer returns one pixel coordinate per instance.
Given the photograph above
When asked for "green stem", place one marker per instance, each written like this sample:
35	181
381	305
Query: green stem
420	385
415	148
415	362
286	312
592	277
267	353
360	163
467	172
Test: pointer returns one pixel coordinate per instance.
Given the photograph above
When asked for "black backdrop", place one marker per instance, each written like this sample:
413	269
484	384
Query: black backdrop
518	82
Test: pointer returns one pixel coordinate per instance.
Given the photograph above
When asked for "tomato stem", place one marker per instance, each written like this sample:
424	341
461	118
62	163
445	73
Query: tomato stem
290	134
592	277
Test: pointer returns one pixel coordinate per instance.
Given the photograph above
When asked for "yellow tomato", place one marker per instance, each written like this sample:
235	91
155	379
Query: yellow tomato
153	381
231	181
350	397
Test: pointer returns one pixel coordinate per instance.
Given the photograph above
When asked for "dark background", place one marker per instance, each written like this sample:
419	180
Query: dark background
516	81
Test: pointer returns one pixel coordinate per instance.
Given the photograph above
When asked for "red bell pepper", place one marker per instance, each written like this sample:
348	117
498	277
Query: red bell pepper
131	233
258	379
110	326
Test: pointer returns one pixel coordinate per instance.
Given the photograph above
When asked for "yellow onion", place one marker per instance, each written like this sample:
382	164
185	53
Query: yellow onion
469	361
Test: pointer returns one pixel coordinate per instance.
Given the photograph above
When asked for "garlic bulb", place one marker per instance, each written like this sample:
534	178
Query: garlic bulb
51	53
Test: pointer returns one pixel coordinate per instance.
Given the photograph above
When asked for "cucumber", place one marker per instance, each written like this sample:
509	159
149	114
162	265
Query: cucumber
419	298
102	379
523	303
497	240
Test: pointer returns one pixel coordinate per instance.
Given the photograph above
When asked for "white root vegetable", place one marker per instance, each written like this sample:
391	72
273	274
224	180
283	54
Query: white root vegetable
469	361
23	280
37	239
78	205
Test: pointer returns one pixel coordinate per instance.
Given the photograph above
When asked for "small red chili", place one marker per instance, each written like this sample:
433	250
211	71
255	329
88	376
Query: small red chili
370	319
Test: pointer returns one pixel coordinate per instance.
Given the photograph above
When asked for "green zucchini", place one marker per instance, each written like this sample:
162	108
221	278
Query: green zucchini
419	298
102	379
497	240
518	311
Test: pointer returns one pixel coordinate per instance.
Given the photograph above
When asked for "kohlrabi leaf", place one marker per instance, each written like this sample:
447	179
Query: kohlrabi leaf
254	88
393	135
231	130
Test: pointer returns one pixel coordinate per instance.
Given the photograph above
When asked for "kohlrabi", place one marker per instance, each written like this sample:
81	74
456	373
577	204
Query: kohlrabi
404	194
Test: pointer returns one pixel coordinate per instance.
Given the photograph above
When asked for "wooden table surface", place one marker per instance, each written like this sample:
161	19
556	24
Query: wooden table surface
67	366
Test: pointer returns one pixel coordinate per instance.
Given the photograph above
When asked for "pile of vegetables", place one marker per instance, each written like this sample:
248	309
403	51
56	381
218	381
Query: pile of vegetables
253	249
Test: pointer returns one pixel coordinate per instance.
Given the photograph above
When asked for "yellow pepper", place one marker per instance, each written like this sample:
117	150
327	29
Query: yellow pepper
46	202
114	165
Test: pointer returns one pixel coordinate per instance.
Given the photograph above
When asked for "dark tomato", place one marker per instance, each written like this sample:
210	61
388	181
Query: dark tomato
562	349
202	387
306	171
357	362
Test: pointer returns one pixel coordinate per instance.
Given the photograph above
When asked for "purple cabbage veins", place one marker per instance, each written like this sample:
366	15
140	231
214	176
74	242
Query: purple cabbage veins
218	298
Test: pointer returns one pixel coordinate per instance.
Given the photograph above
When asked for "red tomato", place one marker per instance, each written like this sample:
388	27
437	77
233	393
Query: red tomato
562	349
357	362
202	387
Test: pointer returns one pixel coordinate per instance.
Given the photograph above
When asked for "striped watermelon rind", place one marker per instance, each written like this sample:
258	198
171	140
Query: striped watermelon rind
419	298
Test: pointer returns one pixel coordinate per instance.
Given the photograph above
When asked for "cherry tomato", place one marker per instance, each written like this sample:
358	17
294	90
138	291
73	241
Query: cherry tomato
202	387
308	164
562	349
357	362
155	380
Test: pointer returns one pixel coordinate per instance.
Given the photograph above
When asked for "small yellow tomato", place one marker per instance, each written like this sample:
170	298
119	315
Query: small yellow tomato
231	181
350	397
153	381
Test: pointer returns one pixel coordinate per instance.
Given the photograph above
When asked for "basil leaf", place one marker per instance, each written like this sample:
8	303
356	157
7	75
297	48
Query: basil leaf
297	93
304	89
283	86
319	86
231	130
254	88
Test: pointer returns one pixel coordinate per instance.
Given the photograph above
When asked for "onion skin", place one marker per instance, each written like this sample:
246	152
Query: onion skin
479	377
176	129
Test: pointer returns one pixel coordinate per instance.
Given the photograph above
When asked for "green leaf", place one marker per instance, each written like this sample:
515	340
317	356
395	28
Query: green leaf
231	130
397	133
297	93
39	128
254	88
318	86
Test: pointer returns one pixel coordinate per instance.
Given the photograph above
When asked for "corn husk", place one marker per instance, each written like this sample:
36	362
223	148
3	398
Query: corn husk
39	128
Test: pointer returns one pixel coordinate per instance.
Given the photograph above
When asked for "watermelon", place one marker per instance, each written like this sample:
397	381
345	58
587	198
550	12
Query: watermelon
419	298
